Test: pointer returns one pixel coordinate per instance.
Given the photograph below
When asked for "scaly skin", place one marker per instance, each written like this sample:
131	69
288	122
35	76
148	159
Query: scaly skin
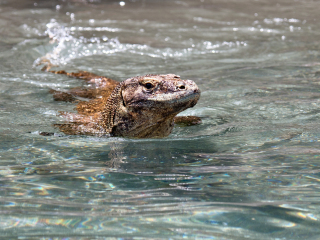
139	107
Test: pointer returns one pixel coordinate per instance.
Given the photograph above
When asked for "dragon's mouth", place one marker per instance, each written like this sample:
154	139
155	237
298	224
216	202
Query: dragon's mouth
169	101
177	97
183	102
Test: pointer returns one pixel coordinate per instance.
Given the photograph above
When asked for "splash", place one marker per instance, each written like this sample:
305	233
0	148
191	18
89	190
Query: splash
68	43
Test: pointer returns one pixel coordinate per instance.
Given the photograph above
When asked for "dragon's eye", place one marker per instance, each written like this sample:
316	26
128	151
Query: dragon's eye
149	85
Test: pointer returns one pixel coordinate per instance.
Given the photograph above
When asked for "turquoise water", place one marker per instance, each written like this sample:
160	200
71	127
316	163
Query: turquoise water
249	171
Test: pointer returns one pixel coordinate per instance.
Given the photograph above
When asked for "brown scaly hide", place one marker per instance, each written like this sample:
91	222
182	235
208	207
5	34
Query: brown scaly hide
84	121
139	107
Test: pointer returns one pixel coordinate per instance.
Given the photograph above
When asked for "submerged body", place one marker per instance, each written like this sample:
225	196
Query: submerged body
139	107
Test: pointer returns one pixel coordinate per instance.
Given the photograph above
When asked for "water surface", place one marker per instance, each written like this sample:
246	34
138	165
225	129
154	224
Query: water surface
249	171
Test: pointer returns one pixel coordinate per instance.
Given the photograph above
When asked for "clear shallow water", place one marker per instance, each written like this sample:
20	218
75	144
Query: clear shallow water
250	171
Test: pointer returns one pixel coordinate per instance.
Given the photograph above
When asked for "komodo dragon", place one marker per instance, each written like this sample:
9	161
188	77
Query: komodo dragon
139	107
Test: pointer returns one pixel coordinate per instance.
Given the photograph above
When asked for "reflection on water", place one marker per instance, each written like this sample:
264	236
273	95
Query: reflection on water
250	171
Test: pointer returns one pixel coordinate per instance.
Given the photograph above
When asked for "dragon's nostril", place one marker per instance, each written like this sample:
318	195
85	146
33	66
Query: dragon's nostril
180	85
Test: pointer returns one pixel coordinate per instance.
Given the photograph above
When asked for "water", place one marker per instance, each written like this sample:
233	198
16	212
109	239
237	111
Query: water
250	171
